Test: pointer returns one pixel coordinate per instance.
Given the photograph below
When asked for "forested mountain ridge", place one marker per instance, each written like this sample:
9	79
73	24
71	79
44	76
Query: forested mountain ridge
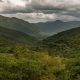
19	25
38	30
64	42
15	36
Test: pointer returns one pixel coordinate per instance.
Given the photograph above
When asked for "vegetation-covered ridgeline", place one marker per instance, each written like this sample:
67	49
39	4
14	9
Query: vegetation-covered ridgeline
64	43
38	30
10	38
19	25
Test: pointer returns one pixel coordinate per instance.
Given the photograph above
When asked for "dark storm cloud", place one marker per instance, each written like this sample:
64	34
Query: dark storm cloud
0	0
41	9
37	5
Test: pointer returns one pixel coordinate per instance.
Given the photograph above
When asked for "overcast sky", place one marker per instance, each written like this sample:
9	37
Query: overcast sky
41	10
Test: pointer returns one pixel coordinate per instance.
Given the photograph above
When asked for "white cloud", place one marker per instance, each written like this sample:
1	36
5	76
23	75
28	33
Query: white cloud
41	10
41	17
68	4
17	2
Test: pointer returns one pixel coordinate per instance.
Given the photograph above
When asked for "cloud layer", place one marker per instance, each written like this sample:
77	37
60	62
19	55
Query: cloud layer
41	10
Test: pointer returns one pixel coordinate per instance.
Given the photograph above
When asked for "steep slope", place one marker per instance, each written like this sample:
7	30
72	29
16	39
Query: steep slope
12	36
50	28
64	42
19	25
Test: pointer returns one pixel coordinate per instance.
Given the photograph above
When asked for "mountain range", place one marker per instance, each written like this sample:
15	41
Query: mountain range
51	28
19	25
39	30
19	30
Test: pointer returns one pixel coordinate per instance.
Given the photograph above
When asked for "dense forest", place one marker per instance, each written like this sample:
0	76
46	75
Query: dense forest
24	57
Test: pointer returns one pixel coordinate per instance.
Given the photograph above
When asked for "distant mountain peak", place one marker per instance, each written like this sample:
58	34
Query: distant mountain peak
58	21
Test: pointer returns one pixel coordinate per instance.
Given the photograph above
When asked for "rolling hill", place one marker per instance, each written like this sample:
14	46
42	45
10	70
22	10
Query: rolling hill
65	42
19	25
11	36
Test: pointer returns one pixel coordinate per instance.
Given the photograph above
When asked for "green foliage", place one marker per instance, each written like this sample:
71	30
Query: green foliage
27	65
64	43
36	66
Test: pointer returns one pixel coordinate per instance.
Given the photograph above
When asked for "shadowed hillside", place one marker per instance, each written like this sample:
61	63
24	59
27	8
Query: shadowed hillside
15	36
19	25
64	42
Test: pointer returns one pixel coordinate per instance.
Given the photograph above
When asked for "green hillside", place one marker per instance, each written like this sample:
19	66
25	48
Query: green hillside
9	38
67	42
16	35
19	25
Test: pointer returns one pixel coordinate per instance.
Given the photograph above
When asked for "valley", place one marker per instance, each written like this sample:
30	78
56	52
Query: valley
26	54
